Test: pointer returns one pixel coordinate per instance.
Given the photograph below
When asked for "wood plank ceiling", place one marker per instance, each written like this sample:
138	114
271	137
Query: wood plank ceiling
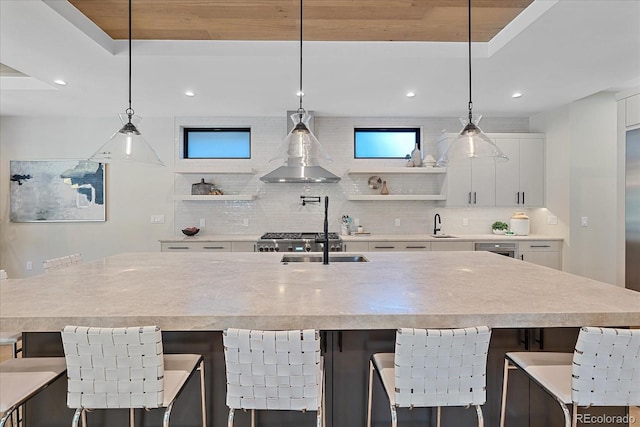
324	20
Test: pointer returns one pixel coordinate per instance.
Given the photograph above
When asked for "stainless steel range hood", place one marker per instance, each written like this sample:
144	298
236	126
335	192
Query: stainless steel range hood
301	151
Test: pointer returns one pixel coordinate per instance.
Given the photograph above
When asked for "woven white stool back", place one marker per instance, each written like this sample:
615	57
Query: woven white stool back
114	367
606	367
273	369
441	367
3	275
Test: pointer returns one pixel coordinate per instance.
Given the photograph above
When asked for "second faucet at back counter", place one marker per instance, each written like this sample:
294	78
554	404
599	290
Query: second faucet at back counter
436	221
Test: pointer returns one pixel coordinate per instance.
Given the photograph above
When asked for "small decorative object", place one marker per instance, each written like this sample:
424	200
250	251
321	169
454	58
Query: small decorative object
384	190
499	227
203	188
416	156
374	182
190	231
429	160
520	224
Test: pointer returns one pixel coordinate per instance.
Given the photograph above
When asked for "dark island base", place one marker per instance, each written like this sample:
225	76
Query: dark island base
347	356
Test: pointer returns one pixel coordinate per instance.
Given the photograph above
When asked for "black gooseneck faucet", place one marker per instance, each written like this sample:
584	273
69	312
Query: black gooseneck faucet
325	246
436	221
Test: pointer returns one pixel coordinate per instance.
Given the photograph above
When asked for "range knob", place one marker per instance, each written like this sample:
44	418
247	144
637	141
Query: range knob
307	247
277	249
261	249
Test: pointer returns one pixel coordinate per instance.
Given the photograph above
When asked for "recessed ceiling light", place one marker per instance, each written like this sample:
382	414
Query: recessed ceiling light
60	82
516	95
411	94
190	93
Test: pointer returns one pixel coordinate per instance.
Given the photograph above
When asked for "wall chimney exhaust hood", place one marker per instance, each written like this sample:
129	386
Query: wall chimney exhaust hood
301	151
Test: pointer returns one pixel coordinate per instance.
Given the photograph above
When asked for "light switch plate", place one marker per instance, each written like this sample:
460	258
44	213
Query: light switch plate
157	219
584	221
552	220
397	222
203	222
465	222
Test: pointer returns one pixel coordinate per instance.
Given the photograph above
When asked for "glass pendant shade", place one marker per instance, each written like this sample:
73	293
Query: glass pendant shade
127	145
300	152
471	143
301	147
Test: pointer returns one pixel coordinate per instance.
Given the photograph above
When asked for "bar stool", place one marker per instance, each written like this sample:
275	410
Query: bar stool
604	370
433	368
125	368
274	370
12	338
21	379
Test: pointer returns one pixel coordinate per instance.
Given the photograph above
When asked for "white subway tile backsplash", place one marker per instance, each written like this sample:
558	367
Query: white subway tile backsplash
277	207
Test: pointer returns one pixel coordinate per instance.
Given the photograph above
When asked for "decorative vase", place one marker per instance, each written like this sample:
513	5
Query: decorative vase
384	190
416	156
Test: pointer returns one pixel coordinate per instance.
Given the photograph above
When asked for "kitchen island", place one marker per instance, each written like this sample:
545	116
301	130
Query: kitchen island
194	296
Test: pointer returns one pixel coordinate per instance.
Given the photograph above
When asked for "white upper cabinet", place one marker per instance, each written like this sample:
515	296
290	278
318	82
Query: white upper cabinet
469	183
484	183
632	115
520	181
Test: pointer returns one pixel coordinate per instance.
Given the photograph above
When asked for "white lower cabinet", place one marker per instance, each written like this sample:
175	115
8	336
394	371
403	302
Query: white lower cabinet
399	246
542	252
178	246
451	246
356	246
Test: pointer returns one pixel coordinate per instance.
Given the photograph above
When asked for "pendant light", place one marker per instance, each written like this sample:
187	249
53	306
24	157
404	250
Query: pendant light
127	144
471	143
301	149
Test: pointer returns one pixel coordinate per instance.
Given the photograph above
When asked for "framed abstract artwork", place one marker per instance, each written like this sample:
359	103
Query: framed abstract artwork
57	191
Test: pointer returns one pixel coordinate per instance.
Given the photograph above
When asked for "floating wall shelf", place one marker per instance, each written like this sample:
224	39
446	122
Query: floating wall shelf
391	197
377	170
226	197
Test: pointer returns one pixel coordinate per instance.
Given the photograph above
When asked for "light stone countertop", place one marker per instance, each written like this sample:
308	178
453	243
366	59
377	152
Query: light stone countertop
213	291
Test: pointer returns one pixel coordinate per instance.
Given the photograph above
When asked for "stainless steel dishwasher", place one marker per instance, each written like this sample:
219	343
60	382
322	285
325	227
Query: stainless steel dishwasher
509	249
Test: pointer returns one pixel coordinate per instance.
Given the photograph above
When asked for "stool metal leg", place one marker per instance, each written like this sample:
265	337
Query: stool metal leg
370	393
480	416
253	418
202	395
505	378
132	421
438	415
167	414
394	416
76	417
575	415
230	419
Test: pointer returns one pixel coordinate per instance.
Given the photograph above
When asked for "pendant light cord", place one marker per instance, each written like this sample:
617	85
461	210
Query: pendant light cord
130	110
300	93
470	102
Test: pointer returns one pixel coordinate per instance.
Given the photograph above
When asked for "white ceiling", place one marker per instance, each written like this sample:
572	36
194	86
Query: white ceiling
555	52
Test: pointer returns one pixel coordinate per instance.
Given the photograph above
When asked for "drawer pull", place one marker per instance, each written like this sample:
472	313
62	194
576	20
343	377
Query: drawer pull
213	247
178	247
384	247
416	247
540	246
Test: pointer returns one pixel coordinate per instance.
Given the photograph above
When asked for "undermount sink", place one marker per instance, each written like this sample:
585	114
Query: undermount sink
442	236
318	258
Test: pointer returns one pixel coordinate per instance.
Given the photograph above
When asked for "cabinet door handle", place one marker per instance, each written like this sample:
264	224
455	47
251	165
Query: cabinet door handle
539	246
469	197
475	198
523	197
178	247
518	198
384	247
416	247
213	247
521	257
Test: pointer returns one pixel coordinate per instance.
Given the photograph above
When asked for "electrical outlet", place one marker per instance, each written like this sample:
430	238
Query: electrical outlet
465	222
245	222
584	221
552	220
203	222
29	265
157	219
397	222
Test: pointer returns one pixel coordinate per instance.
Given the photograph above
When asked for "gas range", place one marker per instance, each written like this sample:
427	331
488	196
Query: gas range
297	242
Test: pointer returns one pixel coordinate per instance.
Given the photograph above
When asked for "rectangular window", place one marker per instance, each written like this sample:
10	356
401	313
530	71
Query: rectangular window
385	143
217	143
